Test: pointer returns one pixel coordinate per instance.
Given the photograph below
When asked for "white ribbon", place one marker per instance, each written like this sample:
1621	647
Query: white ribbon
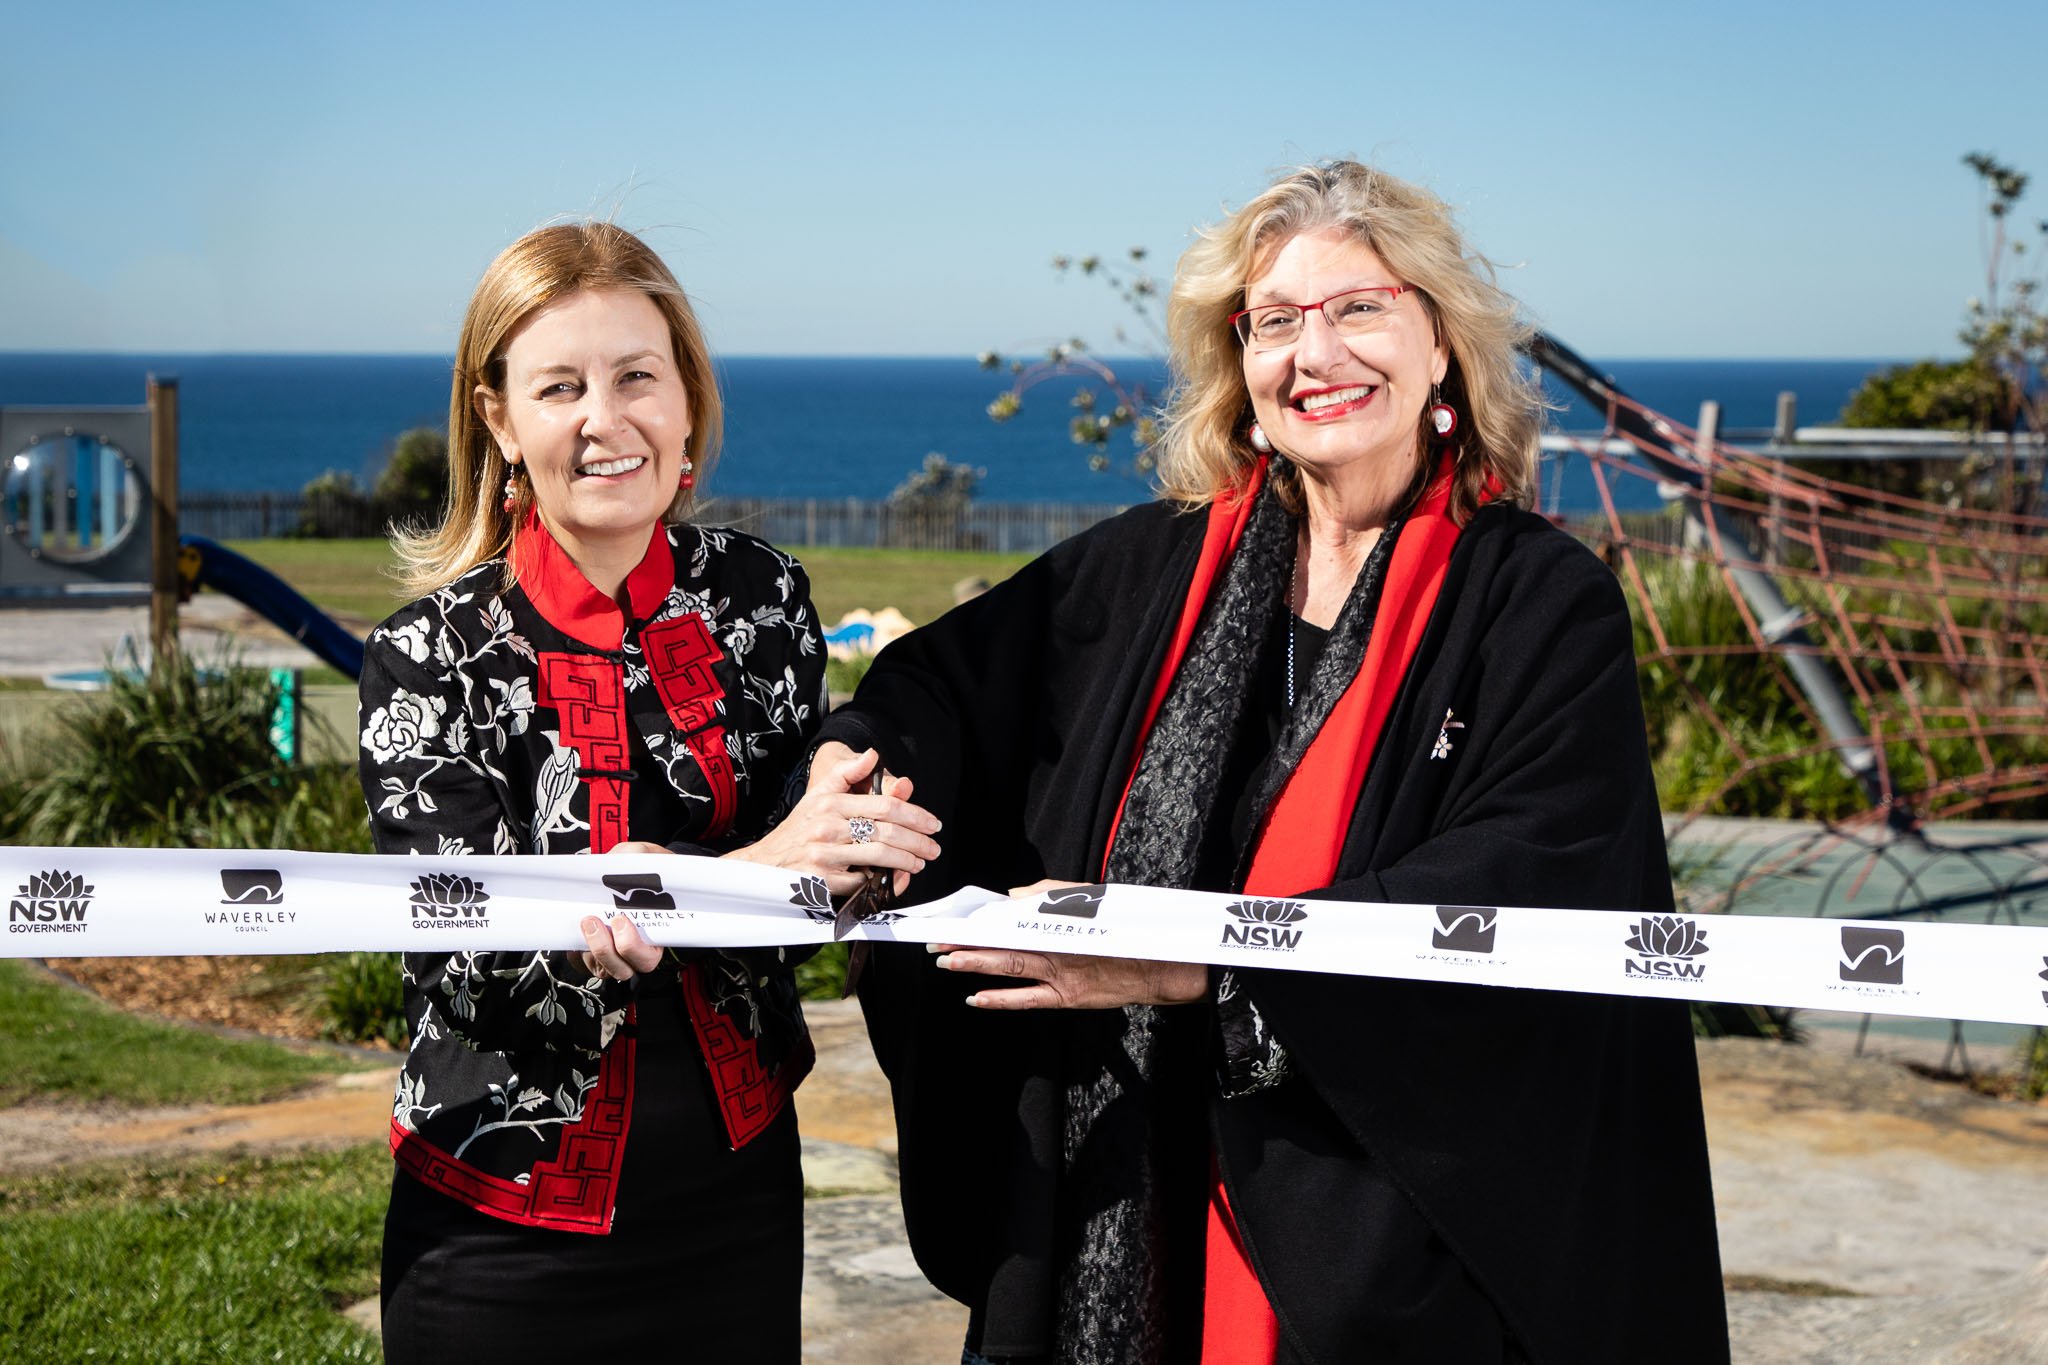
152	902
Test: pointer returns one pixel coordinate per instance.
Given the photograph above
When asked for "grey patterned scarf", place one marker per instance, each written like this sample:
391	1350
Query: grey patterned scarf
1134	1148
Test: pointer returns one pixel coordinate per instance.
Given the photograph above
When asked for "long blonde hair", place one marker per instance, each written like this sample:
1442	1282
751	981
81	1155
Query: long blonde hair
1205	450
544	265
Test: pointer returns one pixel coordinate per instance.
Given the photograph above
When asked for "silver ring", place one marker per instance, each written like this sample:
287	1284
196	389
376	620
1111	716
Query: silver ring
861	828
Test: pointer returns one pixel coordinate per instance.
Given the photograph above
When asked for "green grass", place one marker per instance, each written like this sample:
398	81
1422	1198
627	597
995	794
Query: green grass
62	1043
208	1259
918	583
354	576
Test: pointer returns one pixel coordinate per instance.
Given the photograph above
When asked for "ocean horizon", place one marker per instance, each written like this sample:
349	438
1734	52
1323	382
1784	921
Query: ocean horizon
796	426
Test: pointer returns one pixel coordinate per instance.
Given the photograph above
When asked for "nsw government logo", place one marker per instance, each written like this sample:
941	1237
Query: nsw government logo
1264	924
1667	944
250	891
49	903
2044	977
447	900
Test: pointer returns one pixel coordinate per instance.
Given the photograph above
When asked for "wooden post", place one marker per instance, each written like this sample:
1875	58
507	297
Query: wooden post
1787	431
163	529
1787	428
1703	447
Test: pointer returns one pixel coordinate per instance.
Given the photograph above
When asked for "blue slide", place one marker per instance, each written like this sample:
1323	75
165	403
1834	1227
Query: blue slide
211	564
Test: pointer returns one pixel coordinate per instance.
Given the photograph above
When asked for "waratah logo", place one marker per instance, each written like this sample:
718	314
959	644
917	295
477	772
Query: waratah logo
1465	928
2044	977
1079	901
1669	941
1874	956
814	898
1667	936
252	886
49	898
1263	924
445	895
638	891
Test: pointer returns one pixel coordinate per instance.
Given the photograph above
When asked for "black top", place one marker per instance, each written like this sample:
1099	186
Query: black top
1526	1126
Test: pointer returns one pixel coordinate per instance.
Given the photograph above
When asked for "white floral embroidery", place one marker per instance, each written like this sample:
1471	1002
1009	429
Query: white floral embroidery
411	639
401	727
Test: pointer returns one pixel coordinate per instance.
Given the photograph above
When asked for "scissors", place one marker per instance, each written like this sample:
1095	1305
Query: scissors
876	889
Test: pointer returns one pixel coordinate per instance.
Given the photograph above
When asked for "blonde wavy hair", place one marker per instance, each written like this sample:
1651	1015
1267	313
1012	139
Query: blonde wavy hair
1205	450
545	265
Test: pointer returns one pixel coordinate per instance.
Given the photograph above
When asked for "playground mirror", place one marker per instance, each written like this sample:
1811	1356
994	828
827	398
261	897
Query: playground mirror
71	497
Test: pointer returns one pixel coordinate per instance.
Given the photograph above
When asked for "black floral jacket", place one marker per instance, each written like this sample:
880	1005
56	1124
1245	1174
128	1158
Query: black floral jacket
494	721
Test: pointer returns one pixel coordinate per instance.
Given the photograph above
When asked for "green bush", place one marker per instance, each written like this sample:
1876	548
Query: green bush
362	996
822	976
413	487
180	757
334	506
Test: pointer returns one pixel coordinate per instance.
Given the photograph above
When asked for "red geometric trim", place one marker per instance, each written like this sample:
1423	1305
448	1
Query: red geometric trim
679	654
588	696
575	1192
748	1097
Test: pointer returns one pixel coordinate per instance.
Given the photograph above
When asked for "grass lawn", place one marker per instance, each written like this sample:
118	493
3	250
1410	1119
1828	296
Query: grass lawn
61	1043
200	1259
354	576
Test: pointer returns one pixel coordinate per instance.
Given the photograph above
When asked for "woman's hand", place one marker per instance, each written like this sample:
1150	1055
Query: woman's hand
616	950
839	827
1071	981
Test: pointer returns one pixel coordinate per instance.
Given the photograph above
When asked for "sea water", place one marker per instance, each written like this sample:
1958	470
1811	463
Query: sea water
795	426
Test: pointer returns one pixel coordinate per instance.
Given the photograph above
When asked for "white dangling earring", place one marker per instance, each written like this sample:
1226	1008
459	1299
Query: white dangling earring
1443	418
1259	441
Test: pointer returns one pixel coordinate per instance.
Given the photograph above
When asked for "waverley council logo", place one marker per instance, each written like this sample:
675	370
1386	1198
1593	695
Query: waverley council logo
638	891
1667	945
49	903
1464	928
1079	901
251	886
1876	957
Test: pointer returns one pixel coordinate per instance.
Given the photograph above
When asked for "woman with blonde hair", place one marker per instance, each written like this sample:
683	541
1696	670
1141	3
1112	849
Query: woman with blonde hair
596	1149
1337	663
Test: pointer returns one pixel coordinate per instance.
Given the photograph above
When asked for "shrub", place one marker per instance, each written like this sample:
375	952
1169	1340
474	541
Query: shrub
413	487
363	998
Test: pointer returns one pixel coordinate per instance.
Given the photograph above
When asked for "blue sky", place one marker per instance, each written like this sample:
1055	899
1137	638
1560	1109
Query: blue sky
1744	180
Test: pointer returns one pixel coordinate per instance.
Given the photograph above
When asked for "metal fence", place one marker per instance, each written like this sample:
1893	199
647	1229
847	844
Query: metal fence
1016	527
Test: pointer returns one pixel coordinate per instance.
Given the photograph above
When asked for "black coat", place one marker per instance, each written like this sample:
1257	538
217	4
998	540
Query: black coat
1553	1141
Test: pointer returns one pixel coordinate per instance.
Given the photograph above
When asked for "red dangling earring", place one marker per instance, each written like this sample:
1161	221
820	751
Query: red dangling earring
1443	418
689	478
511	503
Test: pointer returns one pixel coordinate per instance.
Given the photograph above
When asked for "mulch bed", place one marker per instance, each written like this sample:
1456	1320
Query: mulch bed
268	995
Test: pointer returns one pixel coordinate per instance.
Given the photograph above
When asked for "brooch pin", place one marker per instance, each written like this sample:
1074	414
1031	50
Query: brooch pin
1443	736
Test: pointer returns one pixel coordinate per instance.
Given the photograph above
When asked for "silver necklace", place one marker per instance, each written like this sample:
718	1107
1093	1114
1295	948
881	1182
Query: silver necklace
1293	570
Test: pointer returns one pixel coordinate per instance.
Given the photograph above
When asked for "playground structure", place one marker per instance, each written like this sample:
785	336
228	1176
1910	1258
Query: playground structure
88	514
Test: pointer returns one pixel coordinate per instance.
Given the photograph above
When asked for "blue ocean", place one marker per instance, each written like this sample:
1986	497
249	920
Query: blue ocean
796	427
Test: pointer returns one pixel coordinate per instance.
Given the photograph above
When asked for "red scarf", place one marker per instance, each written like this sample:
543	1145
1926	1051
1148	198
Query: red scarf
1299	843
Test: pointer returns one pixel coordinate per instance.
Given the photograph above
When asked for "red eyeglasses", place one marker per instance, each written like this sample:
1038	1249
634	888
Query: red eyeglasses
1354	312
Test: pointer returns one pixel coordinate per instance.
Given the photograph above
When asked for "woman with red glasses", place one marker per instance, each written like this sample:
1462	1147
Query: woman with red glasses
1337	661
596	1150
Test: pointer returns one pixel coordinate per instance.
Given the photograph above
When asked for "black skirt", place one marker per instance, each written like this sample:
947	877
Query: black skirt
704	1260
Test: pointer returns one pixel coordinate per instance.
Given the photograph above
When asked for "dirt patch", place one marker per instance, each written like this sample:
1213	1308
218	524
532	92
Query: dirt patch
336	1113
274	996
